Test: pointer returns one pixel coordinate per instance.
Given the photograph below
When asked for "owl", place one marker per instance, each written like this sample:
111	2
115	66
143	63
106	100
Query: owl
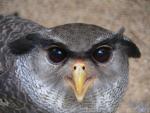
71	68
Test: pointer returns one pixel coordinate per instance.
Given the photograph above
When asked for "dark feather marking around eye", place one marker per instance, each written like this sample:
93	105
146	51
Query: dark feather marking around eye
128	46
80	55
47	43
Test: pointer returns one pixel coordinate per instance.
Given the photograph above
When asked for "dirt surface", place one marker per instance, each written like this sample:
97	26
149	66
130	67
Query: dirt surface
134	15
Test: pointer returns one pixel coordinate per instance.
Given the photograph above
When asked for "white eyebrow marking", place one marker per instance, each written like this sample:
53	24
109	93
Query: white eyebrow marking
56	38
120	31
101	39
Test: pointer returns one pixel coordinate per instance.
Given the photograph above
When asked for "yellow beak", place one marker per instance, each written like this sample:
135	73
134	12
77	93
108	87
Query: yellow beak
79	81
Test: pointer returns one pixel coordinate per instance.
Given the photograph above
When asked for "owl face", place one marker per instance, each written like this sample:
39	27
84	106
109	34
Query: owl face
74	68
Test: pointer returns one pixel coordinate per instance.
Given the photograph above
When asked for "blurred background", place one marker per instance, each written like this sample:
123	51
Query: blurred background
134	15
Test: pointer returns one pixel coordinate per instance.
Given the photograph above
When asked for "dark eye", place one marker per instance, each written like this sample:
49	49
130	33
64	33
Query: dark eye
102	54
56	54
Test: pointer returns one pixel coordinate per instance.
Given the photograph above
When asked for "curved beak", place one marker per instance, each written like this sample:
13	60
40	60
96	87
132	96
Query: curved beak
79	81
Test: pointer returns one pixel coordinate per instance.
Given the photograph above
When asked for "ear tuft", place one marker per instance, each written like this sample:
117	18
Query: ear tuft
20	46
23	45
131	49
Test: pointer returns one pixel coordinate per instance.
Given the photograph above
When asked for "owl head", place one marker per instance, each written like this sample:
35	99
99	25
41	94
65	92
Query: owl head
73	68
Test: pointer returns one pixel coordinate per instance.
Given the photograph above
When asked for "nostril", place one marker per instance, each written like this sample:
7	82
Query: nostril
75	67
83	67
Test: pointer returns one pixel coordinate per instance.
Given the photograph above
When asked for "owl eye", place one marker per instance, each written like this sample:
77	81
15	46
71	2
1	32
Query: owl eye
102	54
56	54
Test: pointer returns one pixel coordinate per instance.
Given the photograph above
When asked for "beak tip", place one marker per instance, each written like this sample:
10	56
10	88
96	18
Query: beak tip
79	98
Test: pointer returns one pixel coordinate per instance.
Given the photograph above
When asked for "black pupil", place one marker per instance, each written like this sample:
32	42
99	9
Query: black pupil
102	54
56	54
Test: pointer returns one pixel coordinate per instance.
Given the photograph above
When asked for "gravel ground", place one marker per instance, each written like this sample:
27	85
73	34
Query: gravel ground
134	15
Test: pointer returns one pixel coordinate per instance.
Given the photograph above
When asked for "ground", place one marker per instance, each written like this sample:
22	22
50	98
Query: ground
134	15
